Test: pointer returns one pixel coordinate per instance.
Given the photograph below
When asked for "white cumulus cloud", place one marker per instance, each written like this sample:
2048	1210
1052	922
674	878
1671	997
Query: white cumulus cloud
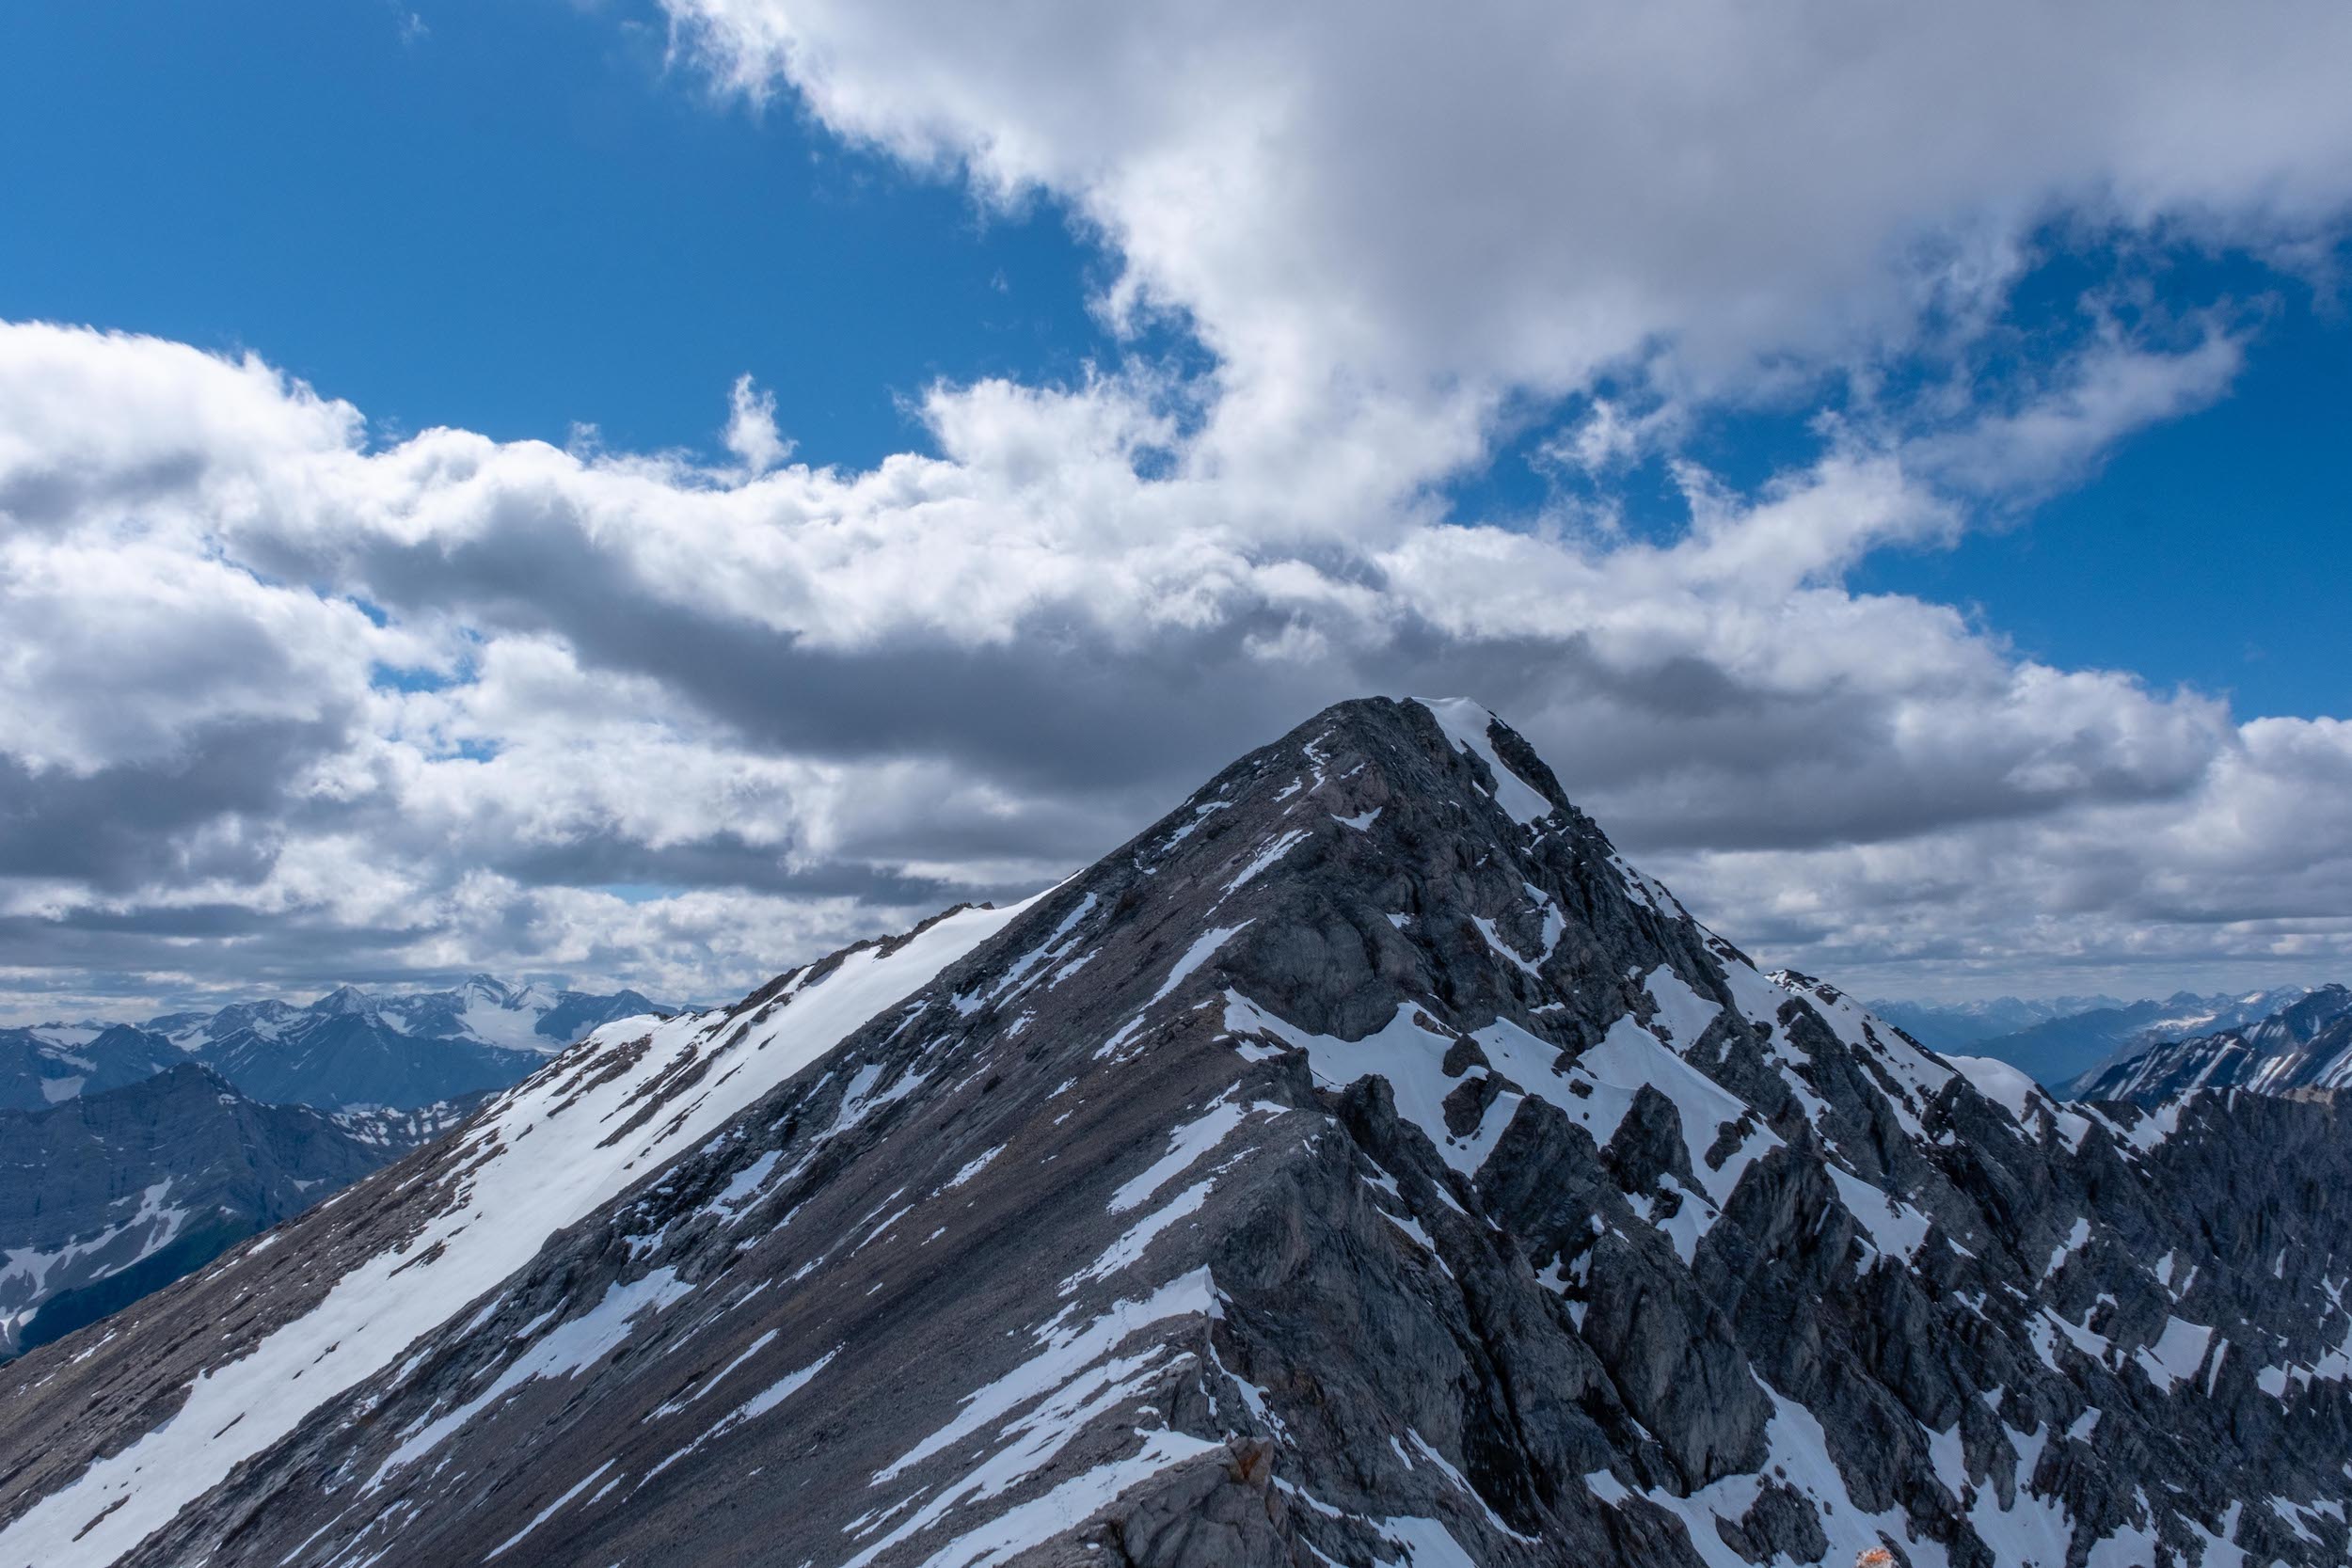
278	701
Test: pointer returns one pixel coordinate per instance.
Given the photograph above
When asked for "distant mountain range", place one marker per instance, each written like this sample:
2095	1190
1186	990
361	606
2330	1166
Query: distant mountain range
2059	1040
2064	1048
133	1153
106	1196
347	1050
56	1062
2306	1045
1958	1025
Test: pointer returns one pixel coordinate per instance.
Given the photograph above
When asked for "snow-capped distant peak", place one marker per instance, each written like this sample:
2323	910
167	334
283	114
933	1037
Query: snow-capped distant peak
344	999
510	1019
2305	1043
67	1035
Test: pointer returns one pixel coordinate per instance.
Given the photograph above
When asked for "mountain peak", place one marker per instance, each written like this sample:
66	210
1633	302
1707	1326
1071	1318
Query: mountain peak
1506	766
344	999
1519	780
1359	1164
491	987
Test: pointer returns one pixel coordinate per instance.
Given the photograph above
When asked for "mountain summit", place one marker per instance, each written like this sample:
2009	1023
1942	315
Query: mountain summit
1364	1164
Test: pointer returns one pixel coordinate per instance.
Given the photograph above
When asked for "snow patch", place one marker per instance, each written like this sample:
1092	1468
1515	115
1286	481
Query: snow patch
1466	724
516	1191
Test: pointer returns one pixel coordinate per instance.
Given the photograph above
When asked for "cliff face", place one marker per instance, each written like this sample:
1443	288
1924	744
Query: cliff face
1364	1164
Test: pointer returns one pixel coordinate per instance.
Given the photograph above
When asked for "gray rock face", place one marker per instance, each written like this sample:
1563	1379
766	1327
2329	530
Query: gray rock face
1363	1165
107	1197
2307	1045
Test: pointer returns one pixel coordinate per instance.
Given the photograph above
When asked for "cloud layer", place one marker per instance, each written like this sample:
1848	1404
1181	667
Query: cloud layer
283	704
1370	211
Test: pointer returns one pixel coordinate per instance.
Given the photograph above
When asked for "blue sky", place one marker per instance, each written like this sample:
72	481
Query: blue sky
509	217
2202	550
1146	383
519	216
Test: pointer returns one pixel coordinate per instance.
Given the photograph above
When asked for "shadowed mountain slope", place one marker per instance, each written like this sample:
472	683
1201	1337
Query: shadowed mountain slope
53	1063
106	1196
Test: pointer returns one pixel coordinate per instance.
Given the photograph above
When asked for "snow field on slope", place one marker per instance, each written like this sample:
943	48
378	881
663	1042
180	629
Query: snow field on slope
513	1028
1030	1413
537	1174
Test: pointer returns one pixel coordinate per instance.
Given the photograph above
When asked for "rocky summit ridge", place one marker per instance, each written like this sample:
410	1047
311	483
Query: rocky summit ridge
1364	1164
